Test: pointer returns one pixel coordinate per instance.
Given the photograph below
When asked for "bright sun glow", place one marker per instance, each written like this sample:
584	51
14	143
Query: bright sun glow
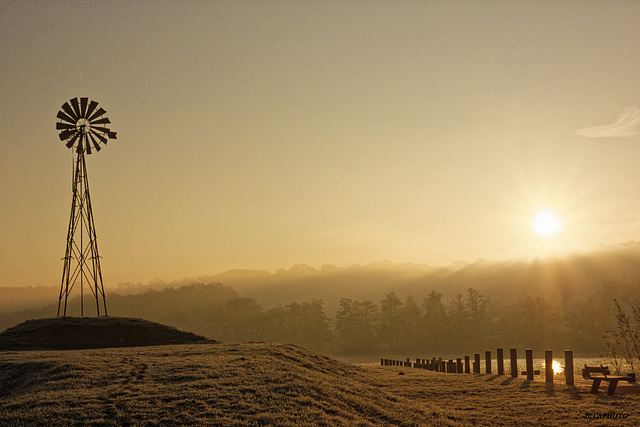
557	367
547	224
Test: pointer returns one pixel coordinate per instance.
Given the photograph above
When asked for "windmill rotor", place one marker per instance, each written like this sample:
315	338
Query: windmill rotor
82	125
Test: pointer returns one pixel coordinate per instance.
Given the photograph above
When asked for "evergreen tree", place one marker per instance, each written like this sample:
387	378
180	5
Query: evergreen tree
356	326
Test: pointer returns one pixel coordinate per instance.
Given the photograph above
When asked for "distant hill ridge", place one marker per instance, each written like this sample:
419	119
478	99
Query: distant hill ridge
606	265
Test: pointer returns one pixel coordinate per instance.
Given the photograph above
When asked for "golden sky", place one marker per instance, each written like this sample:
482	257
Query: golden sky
260	134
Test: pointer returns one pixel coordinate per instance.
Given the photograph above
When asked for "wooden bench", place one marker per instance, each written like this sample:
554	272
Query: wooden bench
604	375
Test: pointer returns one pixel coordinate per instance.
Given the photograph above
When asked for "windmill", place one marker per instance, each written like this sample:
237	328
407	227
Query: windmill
82	127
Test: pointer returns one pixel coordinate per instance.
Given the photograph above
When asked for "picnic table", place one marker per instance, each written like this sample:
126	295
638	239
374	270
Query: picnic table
603	374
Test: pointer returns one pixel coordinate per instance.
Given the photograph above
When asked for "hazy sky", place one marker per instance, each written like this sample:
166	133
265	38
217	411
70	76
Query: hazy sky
260	134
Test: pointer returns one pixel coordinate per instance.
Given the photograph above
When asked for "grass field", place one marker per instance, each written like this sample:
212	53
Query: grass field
274	384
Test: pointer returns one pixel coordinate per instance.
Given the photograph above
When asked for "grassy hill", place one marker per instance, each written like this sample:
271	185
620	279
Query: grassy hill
66	333
272	384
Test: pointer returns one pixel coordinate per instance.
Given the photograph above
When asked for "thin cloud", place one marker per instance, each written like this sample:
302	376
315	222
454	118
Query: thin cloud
627	125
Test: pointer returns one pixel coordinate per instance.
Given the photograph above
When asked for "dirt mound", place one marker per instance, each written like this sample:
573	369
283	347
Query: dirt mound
69	333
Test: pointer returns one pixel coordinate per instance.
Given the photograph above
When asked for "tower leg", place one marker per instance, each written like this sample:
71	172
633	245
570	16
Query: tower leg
81	260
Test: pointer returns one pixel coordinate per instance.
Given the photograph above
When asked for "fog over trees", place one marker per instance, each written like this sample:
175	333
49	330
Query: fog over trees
392	309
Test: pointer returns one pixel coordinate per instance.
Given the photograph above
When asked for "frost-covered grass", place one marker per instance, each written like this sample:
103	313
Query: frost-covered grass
272	384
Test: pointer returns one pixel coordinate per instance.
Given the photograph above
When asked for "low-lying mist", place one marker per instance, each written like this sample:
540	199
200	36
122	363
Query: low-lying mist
558	303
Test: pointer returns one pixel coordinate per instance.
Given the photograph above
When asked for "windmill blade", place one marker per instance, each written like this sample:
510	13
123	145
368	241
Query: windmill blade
98	113
65	134
100	137
63	116
104	121
95	143
61	126
72	140
83	107
67	108
112	135
101	129
76	107
92	106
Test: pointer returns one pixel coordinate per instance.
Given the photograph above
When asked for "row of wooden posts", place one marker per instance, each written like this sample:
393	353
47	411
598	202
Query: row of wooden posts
456	366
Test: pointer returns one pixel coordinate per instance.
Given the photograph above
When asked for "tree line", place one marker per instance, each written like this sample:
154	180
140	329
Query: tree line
467	322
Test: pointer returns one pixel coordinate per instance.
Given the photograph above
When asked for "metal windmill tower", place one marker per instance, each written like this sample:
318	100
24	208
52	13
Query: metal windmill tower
81	126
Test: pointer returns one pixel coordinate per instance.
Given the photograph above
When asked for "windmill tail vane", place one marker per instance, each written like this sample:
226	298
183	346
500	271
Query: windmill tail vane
82	124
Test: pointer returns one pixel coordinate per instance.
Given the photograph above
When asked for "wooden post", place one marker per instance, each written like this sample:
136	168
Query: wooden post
568	366
548	366
381	362
466	365
487	360
514	363
459	365
529	359
476	369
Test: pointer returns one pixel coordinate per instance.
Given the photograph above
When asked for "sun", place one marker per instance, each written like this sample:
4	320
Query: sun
547	224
